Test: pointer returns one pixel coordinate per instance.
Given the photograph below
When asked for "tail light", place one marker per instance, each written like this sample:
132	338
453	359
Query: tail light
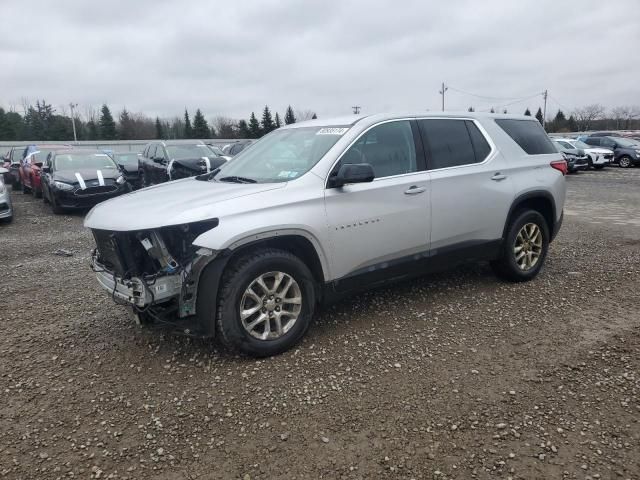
560	165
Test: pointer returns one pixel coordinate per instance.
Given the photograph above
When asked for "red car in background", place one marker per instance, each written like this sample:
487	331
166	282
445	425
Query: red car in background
31	165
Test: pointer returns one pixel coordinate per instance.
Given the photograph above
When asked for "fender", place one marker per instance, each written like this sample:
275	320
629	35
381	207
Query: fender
229	237
529	196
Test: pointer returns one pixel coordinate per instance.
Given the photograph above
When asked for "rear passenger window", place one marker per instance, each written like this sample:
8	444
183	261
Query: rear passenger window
592	141
529	134
449	143
480	145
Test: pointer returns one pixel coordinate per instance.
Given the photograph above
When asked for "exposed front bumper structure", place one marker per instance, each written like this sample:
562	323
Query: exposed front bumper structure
137	291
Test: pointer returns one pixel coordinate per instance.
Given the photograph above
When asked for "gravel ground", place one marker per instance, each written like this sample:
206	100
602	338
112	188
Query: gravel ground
455	375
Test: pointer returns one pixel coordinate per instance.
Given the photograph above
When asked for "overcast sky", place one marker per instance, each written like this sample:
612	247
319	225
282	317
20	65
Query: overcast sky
230	58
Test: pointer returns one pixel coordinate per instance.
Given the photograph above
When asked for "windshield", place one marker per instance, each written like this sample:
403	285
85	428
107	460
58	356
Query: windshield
216	150
177	152
80	161
40	155
579	144
282	155
16	155
127	158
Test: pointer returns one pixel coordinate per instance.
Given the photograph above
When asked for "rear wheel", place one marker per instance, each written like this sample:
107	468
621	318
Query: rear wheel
524	248
25	189
625	161
266	302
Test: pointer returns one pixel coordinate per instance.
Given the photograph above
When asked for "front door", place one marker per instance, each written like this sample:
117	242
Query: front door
379	228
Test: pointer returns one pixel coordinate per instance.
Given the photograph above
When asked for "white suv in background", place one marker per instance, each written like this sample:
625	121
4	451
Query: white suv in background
599	157
319	209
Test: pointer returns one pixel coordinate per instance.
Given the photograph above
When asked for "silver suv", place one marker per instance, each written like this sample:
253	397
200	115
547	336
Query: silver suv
318	209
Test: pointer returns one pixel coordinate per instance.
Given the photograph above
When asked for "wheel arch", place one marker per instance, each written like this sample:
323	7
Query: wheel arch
539	200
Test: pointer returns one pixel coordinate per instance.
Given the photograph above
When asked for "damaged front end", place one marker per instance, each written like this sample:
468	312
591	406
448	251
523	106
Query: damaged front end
155	271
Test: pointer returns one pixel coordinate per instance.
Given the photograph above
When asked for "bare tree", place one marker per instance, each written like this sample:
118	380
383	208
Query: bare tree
225	127
302	115
619	114
586	115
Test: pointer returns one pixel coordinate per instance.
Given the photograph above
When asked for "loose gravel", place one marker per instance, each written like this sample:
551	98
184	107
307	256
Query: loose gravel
455	375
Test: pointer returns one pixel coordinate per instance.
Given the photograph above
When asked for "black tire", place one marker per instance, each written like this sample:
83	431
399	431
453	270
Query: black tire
598	167
37	193
237	277
505	265
25	189
57	209
625	161
589	163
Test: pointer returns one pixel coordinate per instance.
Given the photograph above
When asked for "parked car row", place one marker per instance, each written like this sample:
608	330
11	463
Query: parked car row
598	150
68	177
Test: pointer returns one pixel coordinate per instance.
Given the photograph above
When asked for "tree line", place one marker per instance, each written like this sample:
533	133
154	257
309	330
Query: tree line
590	117
42	122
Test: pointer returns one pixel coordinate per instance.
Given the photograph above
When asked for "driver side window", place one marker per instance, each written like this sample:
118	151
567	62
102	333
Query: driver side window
388	148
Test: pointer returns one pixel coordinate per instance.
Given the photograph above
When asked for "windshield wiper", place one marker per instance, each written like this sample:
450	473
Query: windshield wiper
205	177
236	179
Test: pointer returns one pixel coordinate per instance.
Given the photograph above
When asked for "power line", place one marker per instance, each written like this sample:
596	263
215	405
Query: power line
486	97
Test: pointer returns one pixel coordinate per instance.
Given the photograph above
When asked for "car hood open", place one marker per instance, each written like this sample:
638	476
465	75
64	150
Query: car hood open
173	203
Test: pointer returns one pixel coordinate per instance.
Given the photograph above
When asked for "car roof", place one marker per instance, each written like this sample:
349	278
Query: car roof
80	151
350	120
179	142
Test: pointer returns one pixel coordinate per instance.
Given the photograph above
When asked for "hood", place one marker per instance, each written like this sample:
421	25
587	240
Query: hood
573	151
173	203
87	175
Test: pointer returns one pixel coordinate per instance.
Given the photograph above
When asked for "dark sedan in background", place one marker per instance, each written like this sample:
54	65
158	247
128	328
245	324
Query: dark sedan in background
626	152
170	160
75	179
129	163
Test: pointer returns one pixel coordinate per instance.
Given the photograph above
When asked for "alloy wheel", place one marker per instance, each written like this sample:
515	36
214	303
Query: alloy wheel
528	246
271	305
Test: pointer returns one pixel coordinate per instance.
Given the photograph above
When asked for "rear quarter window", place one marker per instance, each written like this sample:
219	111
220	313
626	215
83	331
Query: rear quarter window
529	134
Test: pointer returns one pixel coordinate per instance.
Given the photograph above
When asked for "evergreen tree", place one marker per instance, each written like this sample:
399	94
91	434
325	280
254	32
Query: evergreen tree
254	127
200	126
267	121
539	115
471	109
107	124
187	130
125	126
572	125
278	122
243	129
527	112
492	110
289	117
37	121
92	130
14	127
159	130
560	118
505	111
314	117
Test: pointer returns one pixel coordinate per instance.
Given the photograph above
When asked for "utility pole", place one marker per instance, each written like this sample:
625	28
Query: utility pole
73	121
544	113
444	89
356	109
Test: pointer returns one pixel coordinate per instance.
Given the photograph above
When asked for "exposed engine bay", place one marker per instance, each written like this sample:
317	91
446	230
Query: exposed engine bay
155	271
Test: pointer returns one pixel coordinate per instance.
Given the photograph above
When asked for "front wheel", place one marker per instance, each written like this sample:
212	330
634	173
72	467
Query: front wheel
524	248
625	161
266	303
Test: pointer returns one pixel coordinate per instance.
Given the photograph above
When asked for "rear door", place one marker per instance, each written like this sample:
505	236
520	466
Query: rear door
471	190
379	229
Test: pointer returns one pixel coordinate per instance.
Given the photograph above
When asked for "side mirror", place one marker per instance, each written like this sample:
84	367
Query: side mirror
46	169
353	173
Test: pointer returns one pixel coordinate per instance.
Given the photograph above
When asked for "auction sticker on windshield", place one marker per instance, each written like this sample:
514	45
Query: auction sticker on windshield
332	131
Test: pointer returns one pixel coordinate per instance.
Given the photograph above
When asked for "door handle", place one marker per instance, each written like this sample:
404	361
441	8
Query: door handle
414	189
498	176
